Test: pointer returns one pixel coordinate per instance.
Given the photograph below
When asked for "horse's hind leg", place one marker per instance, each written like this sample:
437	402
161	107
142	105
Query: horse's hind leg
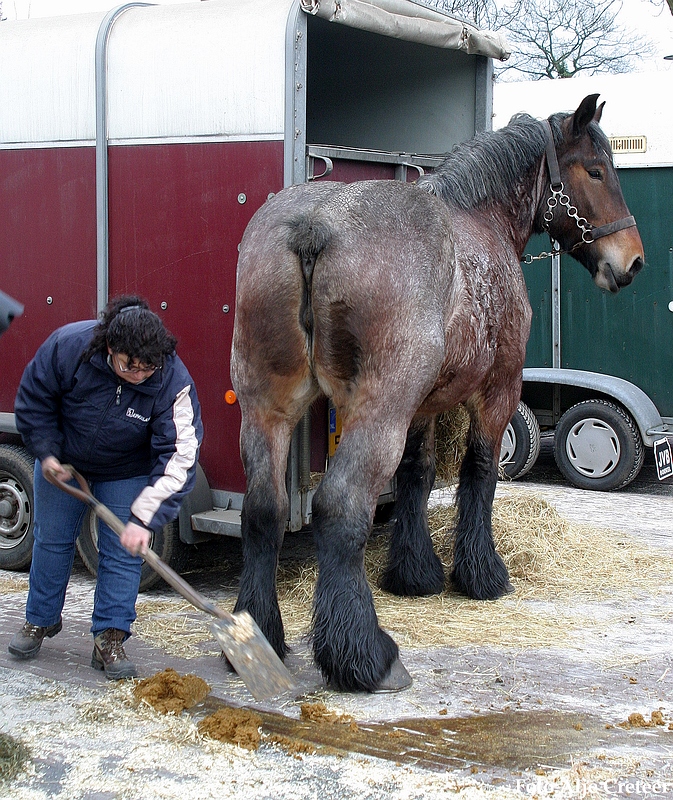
264	447
478	570
413	567
350	648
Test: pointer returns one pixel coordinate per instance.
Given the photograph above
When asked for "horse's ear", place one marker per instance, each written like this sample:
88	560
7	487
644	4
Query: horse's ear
599	112
586	113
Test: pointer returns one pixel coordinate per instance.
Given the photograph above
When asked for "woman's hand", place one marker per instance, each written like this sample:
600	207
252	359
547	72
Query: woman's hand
135	538
51	466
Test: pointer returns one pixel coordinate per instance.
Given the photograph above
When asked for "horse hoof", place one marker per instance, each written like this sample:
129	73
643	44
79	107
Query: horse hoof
396	680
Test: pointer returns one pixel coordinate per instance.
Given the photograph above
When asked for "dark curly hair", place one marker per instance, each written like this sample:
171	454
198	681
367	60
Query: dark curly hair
128	326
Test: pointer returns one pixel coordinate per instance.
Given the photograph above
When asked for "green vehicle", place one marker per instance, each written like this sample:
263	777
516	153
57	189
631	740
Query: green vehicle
599	367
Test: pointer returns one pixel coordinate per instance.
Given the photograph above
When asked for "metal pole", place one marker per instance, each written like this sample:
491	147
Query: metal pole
102	216
295	172
295	96
556	307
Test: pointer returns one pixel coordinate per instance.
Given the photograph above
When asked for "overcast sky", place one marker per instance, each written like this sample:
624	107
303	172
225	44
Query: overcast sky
637	14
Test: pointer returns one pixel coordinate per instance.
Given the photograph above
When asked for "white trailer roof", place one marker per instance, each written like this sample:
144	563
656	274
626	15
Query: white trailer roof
199	69
637	106
214	69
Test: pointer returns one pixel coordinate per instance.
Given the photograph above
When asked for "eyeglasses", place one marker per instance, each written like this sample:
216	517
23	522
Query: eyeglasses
134	370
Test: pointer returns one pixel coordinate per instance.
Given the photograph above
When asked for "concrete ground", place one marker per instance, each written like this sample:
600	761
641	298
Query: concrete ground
478	721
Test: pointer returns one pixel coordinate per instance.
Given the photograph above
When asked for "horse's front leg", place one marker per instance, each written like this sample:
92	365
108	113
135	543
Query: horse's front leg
264	514
478	570
413	567
349	647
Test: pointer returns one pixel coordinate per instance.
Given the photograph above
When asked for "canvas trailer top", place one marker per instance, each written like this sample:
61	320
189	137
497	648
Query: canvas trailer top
136	145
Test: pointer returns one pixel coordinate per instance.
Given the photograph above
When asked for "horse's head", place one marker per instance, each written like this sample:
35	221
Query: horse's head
586	212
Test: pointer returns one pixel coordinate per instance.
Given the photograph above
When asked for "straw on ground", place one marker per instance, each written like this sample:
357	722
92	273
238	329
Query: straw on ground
550	560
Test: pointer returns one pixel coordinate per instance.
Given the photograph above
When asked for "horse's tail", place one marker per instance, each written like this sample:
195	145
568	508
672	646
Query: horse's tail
308	236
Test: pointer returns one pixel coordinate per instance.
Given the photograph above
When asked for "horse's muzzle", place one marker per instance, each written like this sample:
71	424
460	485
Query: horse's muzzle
607	277
637	265
624	278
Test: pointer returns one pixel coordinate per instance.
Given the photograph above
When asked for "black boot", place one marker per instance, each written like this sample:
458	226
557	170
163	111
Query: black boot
28	641
108	655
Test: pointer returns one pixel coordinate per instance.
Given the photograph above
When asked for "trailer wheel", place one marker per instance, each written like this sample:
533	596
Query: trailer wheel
520	443
16	507
597	445
166	544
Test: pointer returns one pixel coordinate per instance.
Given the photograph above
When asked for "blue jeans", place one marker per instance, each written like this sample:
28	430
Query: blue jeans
58	519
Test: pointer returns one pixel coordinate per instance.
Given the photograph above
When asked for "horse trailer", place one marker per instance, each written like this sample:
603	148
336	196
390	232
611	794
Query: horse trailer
136	145
598	366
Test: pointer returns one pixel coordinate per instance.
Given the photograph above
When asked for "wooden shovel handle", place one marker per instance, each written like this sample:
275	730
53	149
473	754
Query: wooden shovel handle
112	520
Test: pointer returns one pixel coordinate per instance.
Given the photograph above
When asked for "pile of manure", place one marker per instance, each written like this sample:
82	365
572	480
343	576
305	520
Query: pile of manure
233	725
169	692
637	720
319	713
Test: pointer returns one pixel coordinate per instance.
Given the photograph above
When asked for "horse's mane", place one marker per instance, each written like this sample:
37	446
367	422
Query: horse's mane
488	167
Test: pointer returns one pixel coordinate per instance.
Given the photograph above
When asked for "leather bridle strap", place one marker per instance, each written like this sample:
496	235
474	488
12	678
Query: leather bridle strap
558	197
611	227
552	160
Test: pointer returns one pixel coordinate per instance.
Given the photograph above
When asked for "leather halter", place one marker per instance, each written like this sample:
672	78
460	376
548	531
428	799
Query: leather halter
559	198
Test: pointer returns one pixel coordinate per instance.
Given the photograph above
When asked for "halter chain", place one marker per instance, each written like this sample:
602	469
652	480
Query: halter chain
558	197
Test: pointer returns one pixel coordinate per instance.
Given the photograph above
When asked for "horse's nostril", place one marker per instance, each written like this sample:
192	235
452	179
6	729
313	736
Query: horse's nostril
637	265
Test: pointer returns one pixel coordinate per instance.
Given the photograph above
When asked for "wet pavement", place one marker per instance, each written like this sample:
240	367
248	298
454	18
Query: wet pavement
478	721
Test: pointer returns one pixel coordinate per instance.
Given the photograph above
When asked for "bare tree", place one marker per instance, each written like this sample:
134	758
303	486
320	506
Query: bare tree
489	14
560	38
555	38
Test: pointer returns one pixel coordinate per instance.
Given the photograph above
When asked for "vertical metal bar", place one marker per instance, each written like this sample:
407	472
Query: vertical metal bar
296	57
292	484
556	326
483	94
556	307
102	211
295	171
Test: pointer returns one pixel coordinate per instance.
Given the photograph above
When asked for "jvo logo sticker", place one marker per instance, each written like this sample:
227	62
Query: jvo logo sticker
662	458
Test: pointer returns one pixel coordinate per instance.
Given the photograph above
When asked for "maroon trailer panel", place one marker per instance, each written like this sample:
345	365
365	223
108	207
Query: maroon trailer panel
177	216
48	246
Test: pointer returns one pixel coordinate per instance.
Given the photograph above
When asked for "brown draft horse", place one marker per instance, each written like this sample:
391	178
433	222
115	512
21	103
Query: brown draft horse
399	301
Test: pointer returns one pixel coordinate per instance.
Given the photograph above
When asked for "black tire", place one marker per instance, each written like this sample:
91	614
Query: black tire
16	507
166	544
520	443
597	445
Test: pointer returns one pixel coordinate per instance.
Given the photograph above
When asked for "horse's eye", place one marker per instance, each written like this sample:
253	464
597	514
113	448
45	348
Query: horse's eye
596	174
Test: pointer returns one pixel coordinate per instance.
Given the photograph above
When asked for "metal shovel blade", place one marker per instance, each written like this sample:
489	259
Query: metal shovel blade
251	655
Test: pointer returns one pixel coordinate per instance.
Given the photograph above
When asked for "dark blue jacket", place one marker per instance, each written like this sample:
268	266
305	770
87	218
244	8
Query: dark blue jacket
107	428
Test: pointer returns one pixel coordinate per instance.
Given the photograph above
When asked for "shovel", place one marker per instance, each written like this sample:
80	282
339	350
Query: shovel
239	636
